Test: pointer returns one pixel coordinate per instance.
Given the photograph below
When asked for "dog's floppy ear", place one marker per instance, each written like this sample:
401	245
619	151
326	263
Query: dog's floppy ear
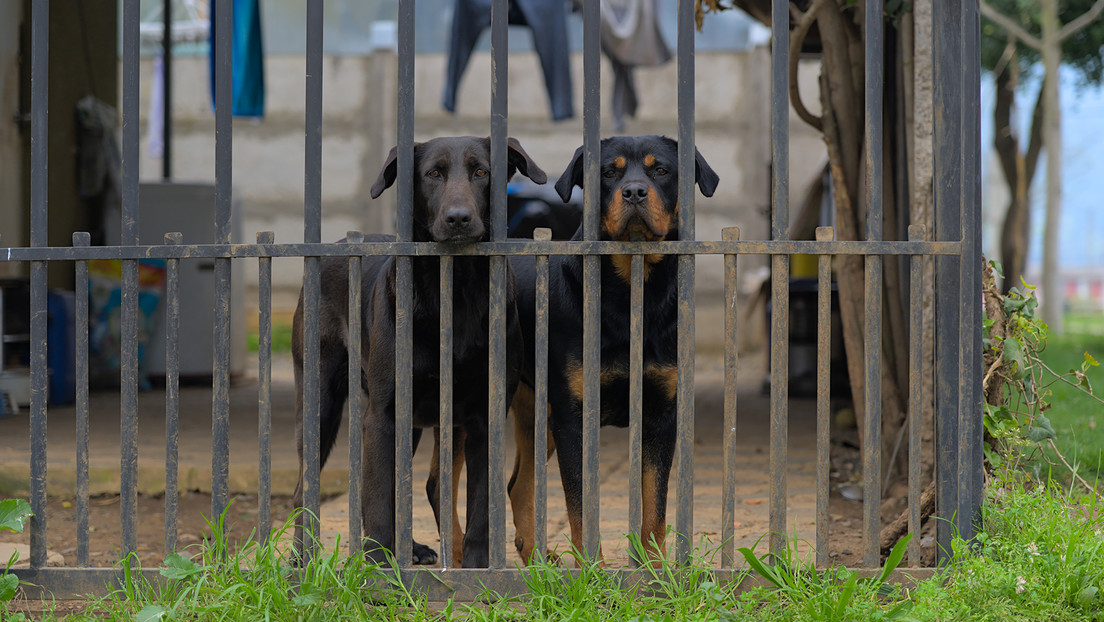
704	176
519	161
572	176
387	174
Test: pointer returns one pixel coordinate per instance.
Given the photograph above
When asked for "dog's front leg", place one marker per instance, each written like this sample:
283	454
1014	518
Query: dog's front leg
476	536
658	440
377	496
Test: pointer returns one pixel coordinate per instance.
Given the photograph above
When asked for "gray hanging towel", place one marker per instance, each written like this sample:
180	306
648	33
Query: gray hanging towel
630	38
548	21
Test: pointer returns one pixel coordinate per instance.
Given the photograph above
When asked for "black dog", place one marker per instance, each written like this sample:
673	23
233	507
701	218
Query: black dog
639	201
452	184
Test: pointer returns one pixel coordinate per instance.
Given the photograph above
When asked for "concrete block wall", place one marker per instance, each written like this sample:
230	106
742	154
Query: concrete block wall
732	131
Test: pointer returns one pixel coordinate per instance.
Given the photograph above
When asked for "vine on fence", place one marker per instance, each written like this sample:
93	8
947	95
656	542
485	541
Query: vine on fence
1017	383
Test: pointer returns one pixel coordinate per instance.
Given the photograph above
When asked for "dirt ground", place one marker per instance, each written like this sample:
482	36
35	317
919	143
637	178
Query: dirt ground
753	479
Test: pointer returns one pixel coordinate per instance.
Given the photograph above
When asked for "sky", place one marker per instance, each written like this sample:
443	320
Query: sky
1082	223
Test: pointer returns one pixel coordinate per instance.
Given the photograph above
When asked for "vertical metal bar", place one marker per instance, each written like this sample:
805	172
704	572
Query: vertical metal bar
916	233
166	89
636	393
592	274
780	272
128	342
728	492
40	66
947	67
356	401
872	428
684	513
312	233
224	169
970	455
446	501
172	390
80	330
404	287
497	320
264	389
540	401
824	397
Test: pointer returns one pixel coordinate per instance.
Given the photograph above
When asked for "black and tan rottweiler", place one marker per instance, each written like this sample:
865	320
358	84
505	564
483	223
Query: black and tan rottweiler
452	185
639	202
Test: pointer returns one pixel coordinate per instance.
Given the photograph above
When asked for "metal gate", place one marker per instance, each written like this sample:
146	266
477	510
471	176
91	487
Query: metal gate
956	247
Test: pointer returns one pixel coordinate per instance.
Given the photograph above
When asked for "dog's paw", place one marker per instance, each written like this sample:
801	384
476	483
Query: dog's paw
423	555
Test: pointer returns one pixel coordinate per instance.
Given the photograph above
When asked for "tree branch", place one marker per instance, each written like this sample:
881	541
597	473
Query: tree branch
797	39
1012	27
1085	19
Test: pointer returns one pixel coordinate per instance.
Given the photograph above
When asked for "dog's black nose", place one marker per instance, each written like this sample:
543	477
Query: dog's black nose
634	193
458	218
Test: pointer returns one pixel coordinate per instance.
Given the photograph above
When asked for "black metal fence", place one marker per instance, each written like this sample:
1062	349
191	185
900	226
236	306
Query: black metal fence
956	247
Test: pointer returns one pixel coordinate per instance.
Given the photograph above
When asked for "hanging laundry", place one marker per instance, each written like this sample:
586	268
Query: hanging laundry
548	21
630	38
247	58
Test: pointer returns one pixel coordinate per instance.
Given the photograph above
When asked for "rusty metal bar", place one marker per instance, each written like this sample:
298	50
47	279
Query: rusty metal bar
636	393
80	334
915	408
728	491
496	392
404	287
824	397
172	391
592	276
128	333
780	272
264	389
540	401
510	247
224	170
356	401
446	501
40	65
684	398
872	418
947	89
970	407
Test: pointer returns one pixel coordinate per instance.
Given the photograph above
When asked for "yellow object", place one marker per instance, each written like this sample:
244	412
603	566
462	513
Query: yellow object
803	266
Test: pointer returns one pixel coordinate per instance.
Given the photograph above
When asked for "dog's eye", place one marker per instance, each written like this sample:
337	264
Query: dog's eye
480	173
609	174
434	174
660	171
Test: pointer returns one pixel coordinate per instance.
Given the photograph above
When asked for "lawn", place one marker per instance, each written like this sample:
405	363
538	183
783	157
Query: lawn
1077	418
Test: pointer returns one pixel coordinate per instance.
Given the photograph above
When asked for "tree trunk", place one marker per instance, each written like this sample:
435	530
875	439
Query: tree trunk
1052	137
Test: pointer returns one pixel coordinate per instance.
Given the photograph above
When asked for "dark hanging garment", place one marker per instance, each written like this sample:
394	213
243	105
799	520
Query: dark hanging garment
630	38
548	21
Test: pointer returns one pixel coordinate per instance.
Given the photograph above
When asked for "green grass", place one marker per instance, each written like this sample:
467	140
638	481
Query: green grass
1040	556
1077	418
281	338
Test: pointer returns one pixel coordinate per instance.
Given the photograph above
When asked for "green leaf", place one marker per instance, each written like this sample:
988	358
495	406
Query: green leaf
1090	360
149	613
179	567
1086	596
895	557
14	514
767	572
9	583
1042	430
846	594
306	600
1013	353
997	267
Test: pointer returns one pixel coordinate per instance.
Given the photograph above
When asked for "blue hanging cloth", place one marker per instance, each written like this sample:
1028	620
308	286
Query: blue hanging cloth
248	58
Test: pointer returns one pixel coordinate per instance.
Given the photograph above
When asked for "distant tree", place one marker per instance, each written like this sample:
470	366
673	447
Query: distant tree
1017	36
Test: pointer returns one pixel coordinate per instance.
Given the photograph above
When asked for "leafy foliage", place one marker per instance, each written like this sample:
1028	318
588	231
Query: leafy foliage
1082	51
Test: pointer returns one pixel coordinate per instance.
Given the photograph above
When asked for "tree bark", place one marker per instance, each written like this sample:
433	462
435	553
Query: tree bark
1052	137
